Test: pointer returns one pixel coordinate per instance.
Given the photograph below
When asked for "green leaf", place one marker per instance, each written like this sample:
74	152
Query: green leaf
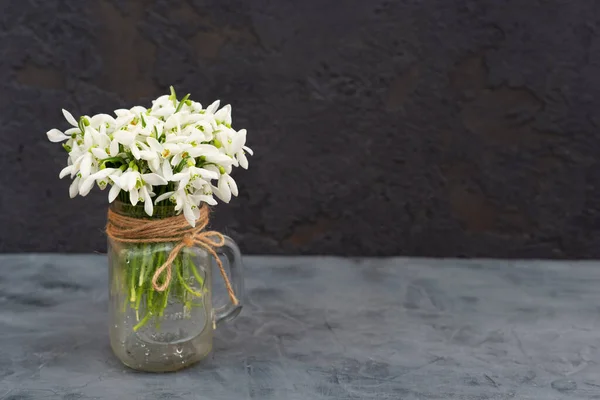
81	125
179	166
143	121
181	103
112	160
173	96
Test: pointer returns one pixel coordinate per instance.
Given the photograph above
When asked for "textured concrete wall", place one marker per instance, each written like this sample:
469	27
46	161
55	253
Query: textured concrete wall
435	127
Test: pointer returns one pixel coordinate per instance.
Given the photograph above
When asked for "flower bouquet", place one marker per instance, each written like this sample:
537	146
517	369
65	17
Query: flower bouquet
164	165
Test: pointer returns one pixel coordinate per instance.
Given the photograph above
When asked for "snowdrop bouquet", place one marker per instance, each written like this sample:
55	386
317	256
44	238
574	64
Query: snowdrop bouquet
175	151
164	166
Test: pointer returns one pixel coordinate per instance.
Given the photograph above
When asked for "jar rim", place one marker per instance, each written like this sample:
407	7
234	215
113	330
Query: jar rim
137	211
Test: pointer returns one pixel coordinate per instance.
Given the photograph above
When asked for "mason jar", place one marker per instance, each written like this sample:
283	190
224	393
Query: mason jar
161	331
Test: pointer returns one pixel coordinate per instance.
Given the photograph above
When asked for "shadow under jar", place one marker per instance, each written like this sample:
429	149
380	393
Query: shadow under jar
162	331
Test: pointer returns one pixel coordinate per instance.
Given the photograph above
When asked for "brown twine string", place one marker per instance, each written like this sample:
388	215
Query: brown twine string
172	229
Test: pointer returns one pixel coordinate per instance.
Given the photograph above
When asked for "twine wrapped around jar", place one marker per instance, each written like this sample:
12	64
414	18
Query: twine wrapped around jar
175	229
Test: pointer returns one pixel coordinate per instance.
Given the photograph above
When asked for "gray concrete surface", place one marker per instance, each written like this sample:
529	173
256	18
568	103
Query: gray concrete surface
322	328
416	128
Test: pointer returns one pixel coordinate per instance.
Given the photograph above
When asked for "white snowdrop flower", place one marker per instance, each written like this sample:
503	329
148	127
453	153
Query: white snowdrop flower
128	140
205	194
101	178
240	148
74	188
115	189
223	116
174	122
177	144
139	187
183	202
158	155
191	173
225	188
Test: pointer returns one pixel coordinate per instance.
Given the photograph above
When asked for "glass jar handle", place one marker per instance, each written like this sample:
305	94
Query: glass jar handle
233	255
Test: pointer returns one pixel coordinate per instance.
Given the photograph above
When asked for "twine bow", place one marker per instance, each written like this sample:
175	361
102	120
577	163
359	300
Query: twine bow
176	229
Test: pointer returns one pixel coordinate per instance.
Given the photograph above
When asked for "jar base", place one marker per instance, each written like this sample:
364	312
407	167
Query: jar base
145	356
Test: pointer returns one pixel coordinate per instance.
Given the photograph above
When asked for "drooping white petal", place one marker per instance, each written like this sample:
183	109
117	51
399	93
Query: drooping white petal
148	155
182	177
123	181
154	179
131	180
65	171
113	193
189	214
98	138
219	159
198	183
148	206
103	173
206	174
167	171
135	151
114	148
74	188
203	150
69	117
55	136
126	138
213	107
241	134
223	191
154	145
86	165
176	159
172	147
248	150
232	185
134	196
224	115
99	153
154	165
173	121
242	159
207	199
86	185
88	140
163	196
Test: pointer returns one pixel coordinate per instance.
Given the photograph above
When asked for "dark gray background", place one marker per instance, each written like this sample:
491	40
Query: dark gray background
432	127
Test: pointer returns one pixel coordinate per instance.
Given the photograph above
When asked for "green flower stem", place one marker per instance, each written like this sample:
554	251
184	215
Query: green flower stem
143	322
141	281
192	266
183	282
165	297
186	284
132	272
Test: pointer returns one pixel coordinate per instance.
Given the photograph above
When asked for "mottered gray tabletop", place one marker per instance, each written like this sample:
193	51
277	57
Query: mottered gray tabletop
322	328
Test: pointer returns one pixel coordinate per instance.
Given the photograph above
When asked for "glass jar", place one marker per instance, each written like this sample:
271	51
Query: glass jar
165	331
